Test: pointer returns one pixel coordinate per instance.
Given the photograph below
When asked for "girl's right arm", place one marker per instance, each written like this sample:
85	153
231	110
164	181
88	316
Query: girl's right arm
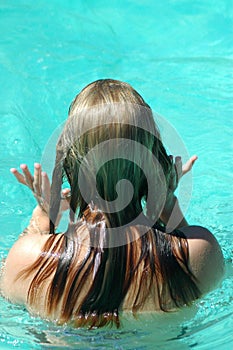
205	256
172	215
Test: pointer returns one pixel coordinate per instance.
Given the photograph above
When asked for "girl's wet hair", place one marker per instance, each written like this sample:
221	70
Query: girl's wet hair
92	291
108	112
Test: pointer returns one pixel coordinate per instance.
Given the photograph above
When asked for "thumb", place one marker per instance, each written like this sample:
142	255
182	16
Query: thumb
189	164
65	199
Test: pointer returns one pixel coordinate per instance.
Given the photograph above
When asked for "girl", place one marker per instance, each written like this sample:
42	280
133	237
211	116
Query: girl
115	255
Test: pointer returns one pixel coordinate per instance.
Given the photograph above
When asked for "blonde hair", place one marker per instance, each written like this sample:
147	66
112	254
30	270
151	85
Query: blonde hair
112	270
110	117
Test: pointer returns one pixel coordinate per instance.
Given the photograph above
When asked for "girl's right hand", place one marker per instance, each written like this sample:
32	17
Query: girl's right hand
178	170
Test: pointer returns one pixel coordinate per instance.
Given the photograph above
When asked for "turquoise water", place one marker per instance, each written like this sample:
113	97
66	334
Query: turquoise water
178	55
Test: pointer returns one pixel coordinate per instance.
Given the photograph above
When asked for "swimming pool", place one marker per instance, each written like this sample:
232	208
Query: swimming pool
178	55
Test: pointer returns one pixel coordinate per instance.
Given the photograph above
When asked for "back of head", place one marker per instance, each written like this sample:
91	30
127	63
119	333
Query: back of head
106	91
111	153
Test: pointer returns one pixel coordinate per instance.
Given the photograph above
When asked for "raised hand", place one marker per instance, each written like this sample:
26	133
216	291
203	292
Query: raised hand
39	184
178	170
188	165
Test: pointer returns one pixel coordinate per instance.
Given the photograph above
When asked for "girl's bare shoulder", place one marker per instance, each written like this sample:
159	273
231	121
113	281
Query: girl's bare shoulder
205	257
24	252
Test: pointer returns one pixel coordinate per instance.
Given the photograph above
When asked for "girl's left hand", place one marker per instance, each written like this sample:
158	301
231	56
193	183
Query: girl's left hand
39	184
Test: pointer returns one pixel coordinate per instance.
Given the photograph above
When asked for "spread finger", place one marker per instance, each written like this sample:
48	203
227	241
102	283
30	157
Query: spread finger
37	180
